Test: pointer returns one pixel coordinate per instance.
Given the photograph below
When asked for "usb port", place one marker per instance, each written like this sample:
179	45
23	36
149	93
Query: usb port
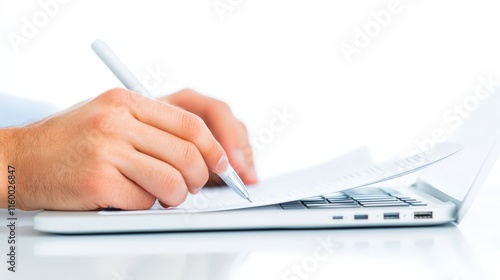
338	217
423	215
389	216
361	217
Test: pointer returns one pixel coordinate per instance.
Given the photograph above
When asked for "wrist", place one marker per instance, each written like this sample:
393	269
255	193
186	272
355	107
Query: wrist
5	155
9	179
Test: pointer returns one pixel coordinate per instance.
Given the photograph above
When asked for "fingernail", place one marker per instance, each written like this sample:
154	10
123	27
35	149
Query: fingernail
197	190
222	165
252	173
240	158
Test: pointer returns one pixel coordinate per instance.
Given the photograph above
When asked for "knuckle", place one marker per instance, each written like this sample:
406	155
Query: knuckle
198	178
189	91
178	199
243	127
202	176
247	152
193	166
221	106
176	191
191	155
215	152
101	153
115	95
192	124
142	202
94	184
172	181
102	121
130	200
117	100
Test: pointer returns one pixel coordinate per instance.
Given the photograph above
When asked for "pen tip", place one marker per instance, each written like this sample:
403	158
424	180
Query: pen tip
249	199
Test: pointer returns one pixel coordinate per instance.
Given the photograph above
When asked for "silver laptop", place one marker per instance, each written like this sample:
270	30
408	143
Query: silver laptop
441	194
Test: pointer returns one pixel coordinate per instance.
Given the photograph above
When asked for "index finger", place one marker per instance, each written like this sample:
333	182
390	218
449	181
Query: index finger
229	131
180	123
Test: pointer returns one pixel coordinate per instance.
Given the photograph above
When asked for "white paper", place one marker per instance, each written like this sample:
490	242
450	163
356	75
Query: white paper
349	171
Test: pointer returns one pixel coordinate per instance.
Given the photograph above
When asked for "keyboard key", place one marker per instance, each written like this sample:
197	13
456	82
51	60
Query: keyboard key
364	191
292	202
409	200
339	198
378	200
292	205
356	197
335	196
328	206
328	203
363	197
315	197
386	205
383	202
314	201
343	204
293	208
340	201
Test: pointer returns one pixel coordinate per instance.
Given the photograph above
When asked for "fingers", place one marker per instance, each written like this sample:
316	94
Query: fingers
167	151
96	186
119	149
230	132
154	176
125	194
178	122
239	150
234	138
178	153
162	151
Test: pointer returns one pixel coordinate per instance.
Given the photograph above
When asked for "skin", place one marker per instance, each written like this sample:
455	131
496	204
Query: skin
124	150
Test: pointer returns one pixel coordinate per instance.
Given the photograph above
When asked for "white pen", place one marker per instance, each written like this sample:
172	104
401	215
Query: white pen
130	81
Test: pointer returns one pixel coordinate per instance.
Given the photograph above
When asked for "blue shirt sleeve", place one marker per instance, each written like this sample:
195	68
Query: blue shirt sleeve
16	111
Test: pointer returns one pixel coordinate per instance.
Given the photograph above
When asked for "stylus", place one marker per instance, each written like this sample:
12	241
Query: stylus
130	81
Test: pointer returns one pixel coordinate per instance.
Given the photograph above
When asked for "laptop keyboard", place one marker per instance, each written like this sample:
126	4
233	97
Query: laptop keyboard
356	198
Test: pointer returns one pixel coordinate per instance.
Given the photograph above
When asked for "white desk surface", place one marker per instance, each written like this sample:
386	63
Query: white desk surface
470	250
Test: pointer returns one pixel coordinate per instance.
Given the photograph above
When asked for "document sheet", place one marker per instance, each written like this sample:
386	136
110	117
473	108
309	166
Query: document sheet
352	170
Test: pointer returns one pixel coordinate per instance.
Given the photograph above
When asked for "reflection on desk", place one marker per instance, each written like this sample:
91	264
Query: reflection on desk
415	253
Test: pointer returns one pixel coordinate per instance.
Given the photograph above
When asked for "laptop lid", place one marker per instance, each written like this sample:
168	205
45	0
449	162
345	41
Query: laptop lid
475	124
481	176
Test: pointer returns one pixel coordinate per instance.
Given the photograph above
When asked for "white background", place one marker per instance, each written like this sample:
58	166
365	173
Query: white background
266	55
263	56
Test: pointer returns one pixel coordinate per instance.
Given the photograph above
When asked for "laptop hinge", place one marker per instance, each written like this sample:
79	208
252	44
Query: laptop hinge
427	188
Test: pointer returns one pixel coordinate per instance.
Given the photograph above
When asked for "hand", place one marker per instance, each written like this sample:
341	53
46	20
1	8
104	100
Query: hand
118	149
229	131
